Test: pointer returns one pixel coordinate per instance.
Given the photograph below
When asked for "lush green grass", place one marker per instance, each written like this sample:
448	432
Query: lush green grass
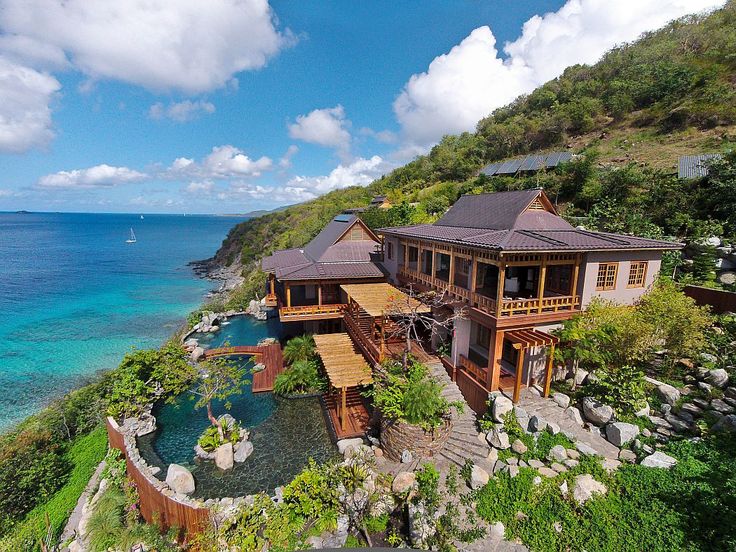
691	507
84	455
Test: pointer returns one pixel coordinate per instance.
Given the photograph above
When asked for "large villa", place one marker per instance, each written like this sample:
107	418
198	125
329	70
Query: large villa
507	261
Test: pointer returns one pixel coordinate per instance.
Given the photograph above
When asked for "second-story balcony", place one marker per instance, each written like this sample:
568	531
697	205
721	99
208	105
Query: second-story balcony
311	312
515	300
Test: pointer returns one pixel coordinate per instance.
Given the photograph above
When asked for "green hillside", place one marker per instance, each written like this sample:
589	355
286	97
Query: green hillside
672	92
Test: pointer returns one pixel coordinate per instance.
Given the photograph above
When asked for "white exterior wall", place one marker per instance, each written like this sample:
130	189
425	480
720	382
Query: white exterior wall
391	265
461	342
622	293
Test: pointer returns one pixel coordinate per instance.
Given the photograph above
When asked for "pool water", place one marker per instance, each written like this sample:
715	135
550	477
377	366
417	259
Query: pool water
285	433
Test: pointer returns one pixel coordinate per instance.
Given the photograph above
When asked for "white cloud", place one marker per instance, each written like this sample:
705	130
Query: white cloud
383	136
100	176
181	112
471	80
360	172
325	127
224	162
285	161
188	45
6	192
204	187
25	115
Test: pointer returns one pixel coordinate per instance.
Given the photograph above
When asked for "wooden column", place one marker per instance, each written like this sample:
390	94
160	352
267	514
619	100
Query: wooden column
343	409
288	294
519	371
319	294
451	276
548	373
494	354
540	286
272	283
473	274
575	275
499	291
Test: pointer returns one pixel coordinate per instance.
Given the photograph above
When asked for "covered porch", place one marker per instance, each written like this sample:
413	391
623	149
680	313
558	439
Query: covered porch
347	371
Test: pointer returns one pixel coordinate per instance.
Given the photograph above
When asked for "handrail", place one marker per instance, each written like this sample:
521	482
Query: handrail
509	307
305	310
366	345
478	372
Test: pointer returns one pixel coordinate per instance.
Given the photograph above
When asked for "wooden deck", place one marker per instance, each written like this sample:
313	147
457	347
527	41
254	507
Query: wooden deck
269	355
358	418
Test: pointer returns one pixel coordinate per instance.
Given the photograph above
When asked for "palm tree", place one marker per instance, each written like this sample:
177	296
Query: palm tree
299	348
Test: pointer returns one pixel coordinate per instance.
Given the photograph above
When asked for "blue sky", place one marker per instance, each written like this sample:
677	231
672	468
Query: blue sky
229	106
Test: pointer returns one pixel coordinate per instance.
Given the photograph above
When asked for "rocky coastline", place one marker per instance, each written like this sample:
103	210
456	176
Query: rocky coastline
229	277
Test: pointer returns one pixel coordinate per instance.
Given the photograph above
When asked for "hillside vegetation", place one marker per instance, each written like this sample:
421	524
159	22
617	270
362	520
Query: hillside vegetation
670	93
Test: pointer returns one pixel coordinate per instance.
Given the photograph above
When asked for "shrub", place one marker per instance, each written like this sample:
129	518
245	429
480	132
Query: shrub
412	396
622	388
210	438
299	348
300	378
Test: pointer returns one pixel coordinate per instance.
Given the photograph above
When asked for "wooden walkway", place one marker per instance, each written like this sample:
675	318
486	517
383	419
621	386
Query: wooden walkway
357	420
268	355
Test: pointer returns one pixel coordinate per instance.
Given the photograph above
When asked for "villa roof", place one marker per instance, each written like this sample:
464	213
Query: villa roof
328	256
518	221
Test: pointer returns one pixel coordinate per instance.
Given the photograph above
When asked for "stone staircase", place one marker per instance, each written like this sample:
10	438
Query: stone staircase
465	442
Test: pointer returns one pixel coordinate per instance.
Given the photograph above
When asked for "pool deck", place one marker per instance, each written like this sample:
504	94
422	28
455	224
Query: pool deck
357	420
268	355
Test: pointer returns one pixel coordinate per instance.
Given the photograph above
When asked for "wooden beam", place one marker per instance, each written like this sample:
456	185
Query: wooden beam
473	273
499	291
288	294
540	287
519	371
575	275
319	294
343	409
272	281
548	373
495	354
451	276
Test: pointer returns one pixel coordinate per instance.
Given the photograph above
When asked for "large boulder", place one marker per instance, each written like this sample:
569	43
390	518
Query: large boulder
562	400
668	394
718	378
403	482
242	451
573	413
585	486
478	477
498	438
726	424
344	444
659	460
537	423
501	406
596	412
620	433
197	353
224	456
180	479
580	376
557	453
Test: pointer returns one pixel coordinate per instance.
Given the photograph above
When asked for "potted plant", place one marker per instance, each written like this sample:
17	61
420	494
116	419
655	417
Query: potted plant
414	415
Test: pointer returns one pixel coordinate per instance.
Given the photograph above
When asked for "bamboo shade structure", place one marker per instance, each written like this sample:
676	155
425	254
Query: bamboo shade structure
382	299
343	365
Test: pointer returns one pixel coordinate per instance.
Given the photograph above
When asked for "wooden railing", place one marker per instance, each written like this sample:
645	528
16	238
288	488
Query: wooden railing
363	341
311	311
272	300
480	373
509	307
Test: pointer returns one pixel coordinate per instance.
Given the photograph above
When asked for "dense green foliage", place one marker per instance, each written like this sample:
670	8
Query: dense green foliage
211	438
302	377
411	395
690	507
219	379
147	374
83	456
300	348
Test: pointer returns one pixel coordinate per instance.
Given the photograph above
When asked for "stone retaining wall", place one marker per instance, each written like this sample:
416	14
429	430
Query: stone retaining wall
399	436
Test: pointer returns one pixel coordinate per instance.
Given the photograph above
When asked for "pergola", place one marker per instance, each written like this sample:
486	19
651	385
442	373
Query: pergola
343	365
523	340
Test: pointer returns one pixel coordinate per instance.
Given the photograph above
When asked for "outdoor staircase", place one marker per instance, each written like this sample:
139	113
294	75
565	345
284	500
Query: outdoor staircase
465	442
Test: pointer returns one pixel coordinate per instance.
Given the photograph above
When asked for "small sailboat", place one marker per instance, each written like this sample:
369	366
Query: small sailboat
141	217
131	239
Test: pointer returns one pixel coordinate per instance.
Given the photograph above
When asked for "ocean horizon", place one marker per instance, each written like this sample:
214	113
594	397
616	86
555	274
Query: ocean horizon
75	297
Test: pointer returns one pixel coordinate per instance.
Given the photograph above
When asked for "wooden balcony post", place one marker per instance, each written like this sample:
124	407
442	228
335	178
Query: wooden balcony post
473	273
575	275
494	364
451	276
548	373
519	371
540	286
288	294
343	409
271	282
319	294
501	284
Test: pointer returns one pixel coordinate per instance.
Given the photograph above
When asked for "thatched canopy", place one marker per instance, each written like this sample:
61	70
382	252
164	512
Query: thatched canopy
343	365
382	299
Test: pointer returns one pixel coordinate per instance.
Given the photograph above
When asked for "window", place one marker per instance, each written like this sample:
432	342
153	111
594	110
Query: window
413	257
463	269
390	250
606	279
637	274
442	266
426	262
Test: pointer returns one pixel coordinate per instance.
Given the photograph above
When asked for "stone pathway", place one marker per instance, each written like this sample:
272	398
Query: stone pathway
465	442
72	524
535	405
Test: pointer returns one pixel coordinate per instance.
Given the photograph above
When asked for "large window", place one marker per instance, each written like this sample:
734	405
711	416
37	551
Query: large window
606	279
480	343
486	280
442	266
463	267
637	274
559	280
390	250
427	262
413	257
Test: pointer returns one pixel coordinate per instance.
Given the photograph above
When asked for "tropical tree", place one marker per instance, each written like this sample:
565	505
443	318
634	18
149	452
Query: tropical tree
219	379
582	343
299	348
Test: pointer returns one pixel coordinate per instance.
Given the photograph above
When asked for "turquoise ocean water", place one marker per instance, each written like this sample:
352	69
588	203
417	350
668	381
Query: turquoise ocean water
74	297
